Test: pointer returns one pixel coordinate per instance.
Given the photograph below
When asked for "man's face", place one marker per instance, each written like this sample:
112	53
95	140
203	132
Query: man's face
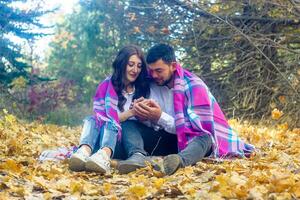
162	72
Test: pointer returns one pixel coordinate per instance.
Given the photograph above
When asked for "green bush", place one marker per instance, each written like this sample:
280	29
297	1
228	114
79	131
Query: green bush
70	116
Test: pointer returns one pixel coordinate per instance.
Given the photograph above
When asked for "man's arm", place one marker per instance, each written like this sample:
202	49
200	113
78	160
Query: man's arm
167	122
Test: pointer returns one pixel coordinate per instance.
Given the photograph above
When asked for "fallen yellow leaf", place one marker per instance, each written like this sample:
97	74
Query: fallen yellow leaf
137	190
158	183
12	166
276	114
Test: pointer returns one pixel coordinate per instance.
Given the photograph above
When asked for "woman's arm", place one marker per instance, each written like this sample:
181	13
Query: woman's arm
126	115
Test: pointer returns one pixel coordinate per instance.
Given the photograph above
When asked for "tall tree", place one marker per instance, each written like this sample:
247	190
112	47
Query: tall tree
247	51
86	42
246	44
15	22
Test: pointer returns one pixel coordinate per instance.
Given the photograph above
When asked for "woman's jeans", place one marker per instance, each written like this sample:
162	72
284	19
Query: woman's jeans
97	139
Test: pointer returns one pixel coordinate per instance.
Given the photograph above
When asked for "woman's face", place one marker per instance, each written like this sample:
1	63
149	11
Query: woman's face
133	69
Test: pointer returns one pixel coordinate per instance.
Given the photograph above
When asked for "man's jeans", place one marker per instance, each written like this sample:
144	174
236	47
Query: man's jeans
97	139
198	148
136	137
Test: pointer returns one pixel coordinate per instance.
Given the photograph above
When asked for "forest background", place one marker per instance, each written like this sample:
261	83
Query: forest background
248	53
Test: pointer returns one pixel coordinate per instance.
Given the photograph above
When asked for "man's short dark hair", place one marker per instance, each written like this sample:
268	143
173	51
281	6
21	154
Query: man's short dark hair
161	51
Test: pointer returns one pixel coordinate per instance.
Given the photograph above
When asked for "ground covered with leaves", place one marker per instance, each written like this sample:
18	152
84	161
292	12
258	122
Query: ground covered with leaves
272	173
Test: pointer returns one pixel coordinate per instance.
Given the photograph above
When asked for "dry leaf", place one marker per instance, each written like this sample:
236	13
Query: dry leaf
271	173
276	114
137	190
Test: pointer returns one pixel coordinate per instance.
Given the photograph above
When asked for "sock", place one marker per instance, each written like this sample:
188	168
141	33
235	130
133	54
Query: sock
106	157
84	151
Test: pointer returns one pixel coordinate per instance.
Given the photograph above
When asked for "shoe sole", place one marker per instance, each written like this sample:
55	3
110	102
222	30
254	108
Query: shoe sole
169	162
76	164
93	167
125	168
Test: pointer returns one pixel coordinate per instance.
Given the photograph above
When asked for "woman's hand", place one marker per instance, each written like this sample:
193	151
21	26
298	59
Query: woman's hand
131	112
126	115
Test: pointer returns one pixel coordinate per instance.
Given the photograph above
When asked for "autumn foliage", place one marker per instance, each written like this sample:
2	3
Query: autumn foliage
273	172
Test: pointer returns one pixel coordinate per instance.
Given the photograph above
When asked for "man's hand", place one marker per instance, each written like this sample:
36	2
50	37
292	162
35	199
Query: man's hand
147	109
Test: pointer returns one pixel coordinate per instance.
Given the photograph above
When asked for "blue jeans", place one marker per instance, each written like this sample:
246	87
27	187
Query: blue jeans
97	139
197	148
137	137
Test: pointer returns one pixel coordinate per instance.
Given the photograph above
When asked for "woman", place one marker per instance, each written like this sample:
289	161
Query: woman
111	107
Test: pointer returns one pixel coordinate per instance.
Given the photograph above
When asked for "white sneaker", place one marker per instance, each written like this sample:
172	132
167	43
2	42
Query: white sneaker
98	162
78	160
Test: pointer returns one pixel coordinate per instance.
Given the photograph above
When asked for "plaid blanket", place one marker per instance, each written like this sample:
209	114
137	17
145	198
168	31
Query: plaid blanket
58	154
197	113
105	106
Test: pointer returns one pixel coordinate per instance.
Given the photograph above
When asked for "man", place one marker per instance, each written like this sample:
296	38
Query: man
181	104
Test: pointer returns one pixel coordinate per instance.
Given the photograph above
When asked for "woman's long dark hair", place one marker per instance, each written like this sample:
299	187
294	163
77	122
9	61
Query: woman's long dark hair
141	84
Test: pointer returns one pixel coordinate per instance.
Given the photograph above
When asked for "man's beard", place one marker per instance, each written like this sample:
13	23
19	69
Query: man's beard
165	83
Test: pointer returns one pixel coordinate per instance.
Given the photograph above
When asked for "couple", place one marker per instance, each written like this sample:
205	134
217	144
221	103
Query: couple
157	108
